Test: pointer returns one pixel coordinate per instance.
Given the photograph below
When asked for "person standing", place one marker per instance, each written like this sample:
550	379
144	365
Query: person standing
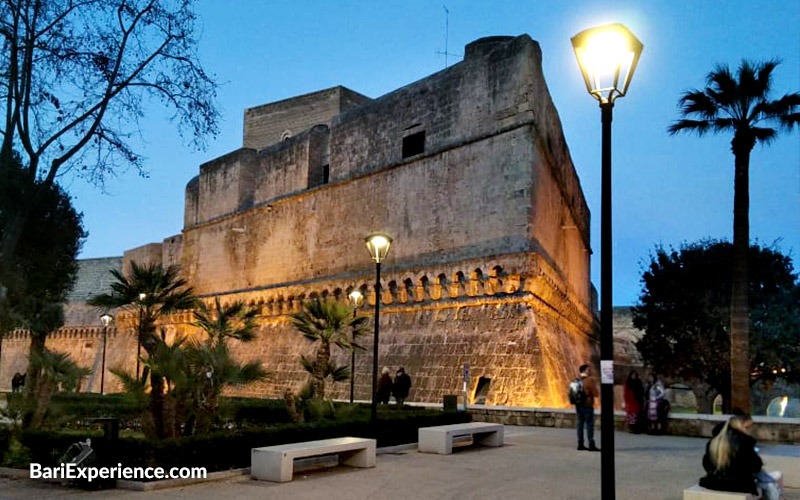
655	395
582	393
633	392
402	384
384	387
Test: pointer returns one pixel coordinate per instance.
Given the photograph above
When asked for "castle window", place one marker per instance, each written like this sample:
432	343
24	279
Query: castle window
326	173
414	144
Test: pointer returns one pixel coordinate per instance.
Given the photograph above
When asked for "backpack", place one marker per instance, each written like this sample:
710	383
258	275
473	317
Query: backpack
577	396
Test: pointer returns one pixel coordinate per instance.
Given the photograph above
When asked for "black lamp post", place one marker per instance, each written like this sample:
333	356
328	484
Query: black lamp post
607	56
106	319
356	299
378	246
142	296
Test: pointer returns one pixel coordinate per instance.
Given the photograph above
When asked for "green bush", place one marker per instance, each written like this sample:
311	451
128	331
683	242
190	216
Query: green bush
5	441
76	409
223	450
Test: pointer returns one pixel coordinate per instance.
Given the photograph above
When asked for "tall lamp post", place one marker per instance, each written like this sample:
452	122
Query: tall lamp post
607	56
356	299
378	246
142	296
106	319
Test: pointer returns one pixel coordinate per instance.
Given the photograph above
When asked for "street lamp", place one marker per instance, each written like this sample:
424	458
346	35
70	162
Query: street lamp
106	319
378	246
356	298
142	296
607	56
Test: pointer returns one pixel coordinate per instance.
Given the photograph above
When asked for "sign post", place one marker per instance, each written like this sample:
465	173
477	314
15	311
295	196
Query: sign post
466	382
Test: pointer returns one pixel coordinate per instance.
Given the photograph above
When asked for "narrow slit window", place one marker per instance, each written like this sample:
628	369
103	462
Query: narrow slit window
326	173
414	144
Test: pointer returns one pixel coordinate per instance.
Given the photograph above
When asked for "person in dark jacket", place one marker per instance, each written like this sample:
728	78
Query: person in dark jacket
732	462
402	384
384	387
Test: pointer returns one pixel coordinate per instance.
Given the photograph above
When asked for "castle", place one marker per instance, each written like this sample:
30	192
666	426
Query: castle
466	169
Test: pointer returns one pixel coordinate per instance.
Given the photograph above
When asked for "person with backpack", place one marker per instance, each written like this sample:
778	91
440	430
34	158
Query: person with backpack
582	393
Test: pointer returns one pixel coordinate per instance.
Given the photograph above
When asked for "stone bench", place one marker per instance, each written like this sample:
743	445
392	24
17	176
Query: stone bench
276	463
697	492
785	458
440	439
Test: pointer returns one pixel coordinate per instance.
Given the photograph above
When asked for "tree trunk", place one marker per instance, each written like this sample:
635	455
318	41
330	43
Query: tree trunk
740	322
323	358
157	404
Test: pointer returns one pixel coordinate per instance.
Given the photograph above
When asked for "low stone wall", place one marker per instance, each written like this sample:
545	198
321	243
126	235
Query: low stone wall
782	430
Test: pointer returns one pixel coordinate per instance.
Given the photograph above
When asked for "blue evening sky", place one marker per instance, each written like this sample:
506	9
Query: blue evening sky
667	190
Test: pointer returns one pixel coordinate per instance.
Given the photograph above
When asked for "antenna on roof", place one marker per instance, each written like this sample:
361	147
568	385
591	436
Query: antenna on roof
446	36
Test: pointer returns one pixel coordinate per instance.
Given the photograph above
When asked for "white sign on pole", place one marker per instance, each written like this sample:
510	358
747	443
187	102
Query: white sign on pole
606	371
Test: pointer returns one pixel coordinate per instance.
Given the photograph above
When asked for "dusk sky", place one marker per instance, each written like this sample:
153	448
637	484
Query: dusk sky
667	190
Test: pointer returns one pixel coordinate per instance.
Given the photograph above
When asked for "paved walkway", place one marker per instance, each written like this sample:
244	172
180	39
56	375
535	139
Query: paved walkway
536	463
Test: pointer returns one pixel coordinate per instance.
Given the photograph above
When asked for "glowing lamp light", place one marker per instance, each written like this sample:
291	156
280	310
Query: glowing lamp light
784	403
356	298
378	246
106	319
142	296
607	56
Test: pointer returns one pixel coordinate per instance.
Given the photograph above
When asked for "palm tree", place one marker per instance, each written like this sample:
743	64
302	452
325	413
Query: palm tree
739	104
326	322
153	291
211	363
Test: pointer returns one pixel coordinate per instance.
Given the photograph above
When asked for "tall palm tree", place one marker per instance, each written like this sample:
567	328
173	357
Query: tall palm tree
153	291
327	323
739	104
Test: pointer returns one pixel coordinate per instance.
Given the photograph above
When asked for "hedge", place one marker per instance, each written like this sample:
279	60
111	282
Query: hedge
77	408
223	450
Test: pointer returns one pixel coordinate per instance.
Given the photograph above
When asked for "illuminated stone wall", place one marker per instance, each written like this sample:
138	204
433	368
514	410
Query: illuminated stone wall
490	261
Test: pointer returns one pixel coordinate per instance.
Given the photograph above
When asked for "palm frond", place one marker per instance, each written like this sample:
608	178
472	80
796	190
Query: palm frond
764	135
307	364
700	127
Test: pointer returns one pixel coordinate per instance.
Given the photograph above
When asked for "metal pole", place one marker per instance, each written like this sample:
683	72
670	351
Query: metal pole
103	366
374	412
139	342
353	361
606	316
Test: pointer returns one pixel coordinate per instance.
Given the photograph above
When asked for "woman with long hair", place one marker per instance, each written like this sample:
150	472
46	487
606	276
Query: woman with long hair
732	462
633	392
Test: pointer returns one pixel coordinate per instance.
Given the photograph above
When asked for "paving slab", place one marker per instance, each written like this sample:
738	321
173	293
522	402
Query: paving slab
535	463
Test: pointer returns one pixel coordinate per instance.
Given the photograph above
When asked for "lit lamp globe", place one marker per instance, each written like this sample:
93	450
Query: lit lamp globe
356	299
106	319
378	246
607	56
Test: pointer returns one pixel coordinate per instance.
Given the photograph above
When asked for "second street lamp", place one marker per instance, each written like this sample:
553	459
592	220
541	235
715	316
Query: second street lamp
378	246
142	296
106	319
356	298
607	56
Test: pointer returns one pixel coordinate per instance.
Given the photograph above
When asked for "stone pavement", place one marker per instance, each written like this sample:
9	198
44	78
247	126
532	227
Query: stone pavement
536	463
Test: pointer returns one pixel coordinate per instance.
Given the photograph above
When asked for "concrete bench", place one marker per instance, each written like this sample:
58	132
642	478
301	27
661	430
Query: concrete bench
697	492
440	439
276	463
785	458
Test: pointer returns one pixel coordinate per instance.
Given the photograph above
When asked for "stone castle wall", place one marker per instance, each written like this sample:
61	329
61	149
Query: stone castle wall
490	260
